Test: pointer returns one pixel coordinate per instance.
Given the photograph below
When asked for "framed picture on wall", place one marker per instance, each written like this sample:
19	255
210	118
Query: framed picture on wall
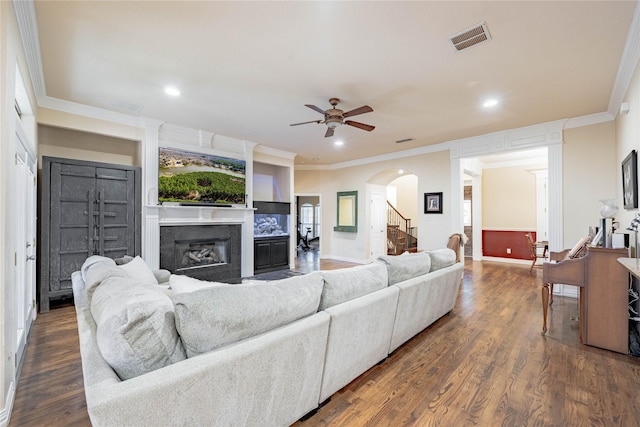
630	180
433	203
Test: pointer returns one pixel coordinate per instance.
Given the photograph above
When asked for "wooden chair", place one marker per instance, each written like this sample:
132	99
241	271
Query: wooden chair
533	252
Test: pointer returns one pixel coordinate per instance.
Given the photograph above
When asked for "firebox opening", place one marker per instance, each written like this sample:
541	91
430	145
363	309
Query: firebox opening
201	253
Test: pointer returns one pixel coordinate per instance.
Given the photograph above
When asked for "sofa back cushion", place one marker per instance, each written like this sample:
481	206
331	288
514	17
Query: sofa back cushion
136	331
349	283
96	269
216	316
406	266
441	258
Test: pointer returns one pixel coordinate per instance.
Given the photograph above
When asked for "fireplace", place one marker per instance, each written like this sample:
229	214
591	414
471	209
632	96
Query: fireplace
206	252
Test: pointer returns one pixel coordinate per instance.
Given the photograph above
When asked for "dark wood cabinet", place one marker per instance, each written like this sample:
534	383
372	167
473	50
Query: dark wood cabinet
270	253
87	208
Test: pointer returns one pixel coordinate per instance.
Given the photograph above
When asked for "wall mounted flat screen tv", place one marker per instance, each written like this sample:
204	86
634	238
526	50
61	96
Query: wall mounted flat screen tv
196	178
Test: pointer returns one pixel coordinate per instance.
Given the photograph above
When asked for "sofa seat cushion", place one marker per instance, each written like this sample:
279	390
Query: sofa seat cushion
135	324
442	258
406	266
212	317
349	283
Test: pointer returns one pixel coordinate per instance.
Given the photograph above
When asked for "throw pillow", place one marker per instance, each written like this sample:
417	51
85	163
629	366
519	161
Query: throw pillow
138	270
135	324
216	316
441	258
406	266
180	283
350	283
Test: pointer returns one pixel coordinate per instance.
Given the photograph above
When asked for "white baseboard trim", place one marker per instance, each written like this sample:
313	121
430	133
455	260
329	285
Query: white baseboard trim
5	414
506	260
353	260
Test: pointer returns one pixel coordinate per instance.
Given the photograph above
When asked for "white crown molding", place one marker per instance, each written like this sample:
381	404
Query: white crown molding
263	149
591	119
628	64
381	158
528	137
89	111
28	26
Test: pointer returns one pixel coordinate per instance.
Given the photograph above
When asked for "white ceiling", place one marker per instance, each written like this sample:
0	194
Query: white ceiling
246	69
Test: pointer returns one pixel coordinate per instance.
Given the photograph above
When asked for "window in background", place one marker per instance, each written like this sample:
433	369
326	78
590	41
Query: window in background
467	213
306	218
316	220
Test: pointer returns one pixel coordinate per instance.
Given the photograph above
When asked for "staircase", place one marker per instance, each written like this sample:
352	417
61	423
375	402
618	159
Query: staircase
401	236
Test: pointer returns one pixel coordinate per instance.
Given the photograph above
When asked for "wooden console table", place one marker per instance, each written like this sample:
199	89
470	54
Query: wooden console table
603	283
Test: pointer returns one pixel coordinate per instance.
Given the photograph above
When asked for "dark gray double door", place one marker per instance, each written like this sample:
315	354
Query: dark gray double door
87	208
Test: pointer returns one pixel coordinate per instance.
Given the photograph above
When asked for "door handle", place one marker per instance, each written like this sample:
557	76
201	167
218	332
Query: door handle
31	258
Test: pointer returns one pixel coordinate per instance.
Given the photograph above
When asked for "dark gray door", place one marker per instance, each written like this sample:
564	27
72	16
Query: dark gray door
88	209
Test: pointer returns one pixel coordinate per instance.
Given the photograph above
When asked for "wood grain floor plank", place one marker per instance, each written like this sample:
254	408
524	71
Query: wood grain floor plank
484	364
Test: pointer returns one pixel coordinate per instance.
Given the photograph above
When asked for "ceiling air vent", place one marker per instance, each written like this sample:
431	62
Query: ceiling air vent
471	36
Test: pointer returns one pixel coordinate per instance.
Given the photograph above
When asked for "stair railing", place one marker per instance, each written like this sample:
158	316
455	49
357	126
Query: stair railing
400	234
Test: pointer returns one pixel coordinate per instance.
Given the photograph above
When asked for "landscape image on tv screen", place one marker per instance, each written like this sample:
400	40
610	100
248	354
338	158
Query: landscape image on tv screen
189	177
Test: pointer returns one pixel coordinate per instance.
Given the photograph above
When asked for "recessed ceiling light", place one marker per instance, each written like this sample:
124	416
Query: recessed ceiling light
490	103
172	91
338	143
400	171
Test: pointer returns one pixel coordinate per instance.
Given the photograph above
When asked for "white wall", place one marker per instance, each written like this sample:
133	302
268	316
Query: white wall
627	131
405	194
432	172
590	173
11	57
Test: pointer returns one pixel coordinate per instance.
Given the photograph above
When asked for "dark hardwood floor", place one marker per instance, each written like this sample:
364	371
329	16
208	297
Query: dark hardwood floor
484	364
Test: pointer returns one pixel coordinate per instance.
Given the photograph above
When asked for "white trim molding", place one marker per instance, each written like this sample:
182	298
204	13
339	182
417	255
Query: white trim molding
627	65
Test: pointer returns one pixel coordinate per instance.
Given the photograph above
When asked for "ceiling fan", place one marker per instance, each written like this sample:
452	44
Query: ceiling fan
334	117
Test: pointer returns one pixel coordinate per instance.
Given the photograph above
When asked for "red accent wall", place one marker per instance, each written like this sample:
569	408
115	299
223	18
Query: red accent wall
496	242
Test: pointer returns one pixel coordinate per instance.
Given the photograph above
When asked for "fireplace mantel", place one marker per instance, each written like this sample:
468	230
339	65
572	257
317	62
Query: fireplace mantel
184	215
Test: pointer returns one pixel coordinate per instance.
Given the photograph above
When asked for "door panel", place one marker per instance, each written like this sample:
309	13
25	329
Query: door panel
88	209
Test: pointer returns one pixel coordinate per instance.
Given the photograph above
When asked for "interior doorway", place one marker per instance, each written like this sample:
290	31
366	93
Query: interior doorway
308	222
507	192
467	206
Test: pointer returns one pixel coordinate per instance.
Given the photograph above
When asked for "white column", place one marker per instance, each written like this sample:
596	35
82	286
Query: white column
151	224
457	196
556	229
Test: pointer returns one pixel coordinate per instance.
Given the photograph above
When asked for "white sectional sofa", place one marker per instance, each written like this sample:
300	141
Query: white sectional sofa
254	354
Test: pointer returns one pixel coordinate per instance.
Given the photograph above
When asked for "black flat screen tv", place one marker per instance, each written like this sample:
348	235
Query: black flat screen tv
196	178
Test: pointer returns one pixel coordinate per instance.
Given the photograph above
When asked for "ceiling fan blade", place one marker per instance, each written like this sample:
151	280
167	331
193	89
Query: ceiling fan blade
313	107
304	123
329	133
361	110
359	125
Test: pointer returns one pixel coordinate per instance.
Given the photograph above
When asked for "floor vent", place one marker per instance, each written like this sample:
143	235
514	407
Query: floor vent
471	36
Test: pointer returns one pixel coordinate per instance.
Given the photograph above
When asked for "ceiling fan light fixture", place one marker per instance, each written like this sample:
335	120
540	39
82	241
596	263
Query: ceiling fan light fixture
333	122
